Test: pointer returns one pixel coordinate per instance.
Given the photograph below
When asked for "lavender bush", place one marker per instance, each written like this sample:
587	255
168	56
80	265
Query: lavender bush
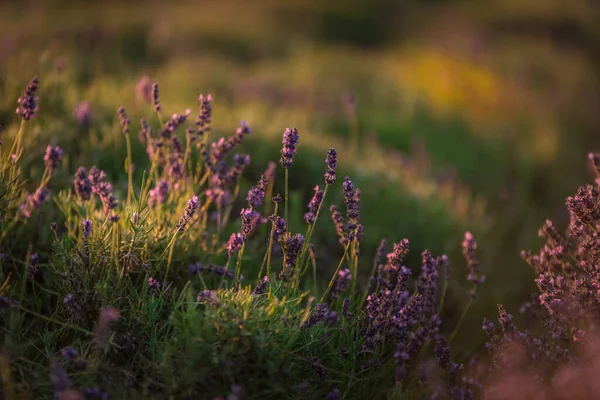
179	285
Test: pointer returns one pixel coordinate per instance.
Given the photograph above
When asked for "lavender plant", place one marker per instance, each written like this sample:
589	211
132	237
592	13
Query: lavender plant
160	287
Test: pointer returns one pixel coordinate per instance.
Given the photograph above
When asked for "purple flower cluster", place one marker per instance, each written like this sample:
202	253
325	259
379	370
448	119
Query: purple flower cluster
86	227
250	221
188	213
469	246
158	194
143	89
53	157
204	116
292	246
234	244
279	227
28	106
290	144
123	120
256	194
261	287
83	113
82	184
352	200
331	161
154	97
343	280
103	189
33	202
313	206
322	313
340	225
198	268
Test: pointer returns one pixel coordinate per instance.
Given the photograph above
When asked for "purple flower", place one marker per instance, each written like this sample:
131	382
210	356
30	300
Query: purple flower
190	210
155	99
352	200
33	202
250	220
235	243
69	353
143	89
87	228
277	198
344	278
279	227
204	116
292	245
256	194
59	378
290	143
153	285
95	394
243	130
340	226
53	226
104	190
346	309
82	184
331	161
158	194
333	395
53	157
123	119
28	106
261	287
83	114
469	245
313	206
270	171
145	135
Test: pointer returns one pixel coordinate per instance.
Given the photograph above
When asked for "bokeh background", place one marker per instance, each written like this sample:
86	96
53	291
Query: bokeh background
449	115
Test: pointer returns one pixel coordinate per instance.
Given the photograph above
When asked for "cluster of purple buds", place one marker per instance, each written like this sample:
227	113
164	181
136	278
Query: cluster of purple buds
123	120
346	309
256	194
204	116
198	268
279	227
234	244
154	97
83	114
190	210
331	161
469	246
33	202
340	226
145	136
53	157
250	221
86	226
173	123
34	260
103	189
28	102
82	184
158	194
261	287
290	144
352	200
153	286
333	395
143	89
314	205
343	280
95	394
321	313
208	296
71	304
242	130
292	246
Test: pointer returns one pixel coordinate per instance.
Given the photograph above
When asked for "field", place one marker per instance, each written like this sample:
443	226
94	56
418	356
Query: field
145	257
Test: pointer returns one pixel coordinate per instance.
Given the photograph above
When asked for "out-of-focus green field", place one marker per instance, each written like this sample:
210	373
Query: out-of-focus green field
467	117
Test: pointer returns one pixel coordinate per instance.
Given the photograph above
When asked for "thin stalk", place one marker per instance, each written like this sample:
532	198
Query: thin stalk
463	316
238	264
355	265
270	250
335	273
129	169
16	146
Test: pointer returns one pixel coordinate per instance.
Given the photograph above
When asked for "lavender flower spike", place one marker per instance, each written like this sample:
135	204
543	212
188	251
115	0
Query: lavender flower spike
256	194
290	143
155	99
313	206
28	102
123	119
234	244
87	228
53	157
82	113
469	246
331	161
190	210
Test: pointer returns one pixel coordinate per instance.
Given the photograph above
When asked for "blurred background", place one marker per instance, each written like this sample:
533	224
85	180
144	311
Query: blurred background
449	115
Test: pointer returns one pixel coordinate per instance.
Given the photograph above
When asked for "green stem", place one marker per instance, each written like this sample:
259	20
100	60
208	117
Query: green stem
238	264
129	169
335	273
16	146
463	316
